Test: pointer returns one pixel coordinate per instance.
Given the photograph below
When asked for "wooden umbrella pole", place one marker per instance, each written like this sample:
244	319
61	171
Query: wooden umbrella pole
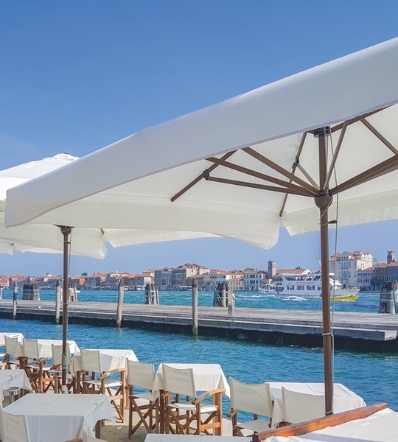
323	201
65	293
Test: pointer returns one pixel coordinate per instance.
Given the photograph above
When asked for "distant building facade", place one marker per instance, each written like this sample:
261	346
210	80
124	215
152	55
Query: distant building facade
163	278
95	281
345	266
252	279
180	275
365	279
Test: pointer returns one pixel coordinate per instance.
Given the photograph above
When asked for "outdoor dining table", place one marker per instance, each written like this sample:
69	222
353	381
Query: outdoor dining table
13	378
206	377
60	417
343	399
111	359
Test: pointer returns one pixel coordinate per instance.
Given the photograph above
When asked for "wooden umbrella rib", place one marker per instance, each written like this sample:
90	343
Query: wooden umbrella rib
196	180
294	166
379	136
308	176
277	168
261	176
355	119
382	168
260	186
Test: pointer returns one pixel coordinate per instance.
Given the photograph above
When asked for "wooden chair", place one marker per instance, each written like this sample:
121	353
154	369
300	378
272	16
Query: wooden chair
300	407
141	375
36	367
250	398
14	427
193	414
101	382
57	365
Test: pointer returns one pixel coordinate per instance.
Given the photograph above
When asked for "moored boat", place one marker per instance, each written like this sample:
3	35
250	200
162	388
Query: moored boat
309	285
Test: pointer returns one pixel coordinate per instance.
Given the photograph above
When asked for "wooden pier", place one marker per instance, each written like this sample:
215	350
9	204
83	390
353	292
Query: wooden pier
352	331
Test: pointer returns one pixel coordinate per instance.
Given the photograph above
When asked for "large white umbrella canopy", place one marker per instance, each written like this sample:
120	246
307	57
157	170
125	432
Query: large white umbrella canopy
319	145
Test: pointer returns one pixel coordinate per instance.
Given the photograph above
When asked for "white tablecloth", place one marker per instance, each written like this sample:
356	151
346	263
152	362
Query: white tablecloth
207	377
380	427
343	398
13	335
110	359
59	417
13	378
45	347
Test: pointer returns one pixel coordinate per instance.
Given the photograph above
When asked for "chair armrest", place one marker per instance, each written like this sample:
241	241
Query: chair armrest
208	394
232	413
105	374
79	439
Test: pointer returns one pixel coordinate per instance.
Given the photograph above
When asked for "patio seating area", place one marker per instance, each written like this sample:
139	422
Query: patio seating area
115	397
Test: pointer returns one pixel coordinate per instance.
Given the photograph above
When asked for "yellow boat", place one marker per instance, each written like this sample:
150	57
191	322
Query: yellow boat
348	298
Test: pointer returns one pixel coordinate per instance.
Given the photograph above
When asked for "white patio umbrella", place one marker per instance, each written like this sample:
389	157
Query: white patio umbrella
317	146
47	238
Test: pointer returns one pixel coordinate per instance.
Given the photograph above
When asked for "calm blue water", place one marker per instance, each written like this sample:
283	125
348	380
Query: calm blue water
370	375
366	302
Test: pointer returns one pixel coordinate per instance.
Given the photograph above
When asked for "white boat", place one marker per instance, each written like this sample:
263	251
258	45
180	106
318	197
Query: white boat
308	286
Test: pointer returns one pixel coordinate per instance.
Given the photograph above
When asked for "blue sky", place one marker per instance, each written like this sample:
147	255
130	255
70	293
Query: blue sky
78	75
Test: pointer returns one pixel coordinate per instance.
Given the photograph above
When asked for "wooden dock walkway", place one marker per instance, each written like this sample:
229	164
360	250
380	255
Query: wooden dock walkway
352	331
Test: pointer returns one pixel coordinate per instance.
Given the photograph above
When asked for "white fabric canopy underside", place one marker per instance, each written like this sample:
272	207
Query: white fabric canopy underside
160	161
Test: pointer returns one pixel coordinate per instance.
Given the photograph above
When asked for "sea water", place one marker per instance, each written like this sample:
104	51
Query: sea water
370	375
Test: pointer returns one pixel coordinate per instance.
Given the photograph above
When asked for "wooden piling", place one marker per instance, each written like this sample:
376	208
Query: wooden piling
14	301
231	303
120	304
148	297
195	327
58	290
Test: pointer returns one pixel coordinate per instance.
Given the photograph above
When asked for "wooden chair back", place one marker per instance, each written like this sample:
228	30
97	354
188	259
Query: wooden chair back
11	344
252	398
31	348
57	354
301	407
90	360
140	374
179	380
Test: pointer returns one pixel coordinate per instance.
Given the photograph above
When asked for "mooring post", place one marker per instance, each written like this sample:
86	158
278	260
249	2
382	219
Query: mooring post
120	304
195	307
148	298
156	296
57	301
231	302
224	294
14	300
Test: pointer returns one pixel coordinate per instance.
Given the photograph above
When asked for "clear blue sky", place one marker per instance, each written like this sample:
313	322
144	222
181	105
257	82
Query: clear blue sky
78	75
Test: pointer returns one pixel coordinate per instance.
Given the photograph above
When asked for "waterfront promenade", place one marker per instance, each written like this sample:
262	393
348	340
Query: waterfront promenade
352	330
